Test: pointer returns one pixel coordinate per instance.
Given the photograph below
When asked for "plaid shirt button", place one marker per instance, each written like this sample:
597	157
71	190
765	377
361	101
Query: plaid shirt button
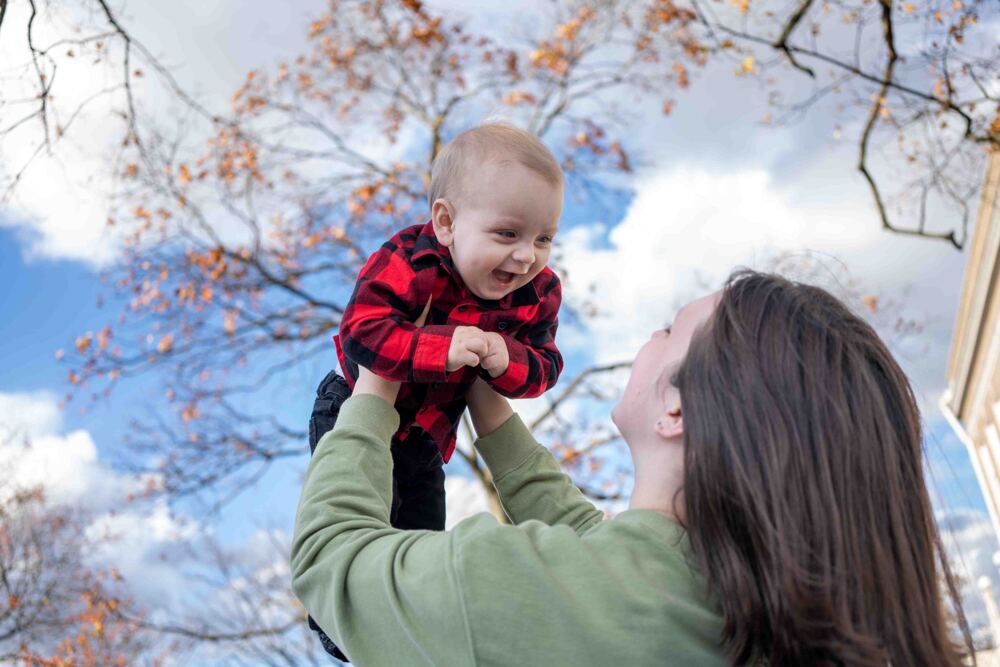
501	326
462	309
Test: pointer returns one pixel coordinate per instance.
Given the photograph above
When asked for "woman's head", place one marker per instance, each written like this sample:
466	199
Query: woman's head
650	407
803	482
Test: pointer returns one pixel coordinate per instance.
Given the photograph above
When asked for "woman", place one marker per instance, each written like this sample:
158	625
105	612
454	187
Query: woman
779	514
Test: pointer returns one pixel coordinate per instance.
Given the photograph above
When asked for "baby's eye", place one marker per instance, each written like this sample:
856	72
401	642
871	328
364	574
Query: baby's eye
507	234
545	240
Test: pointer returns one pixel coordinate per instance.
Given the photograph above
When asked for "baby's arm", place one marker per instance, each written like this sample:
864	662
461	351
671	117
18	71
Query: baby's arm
377	330
533	360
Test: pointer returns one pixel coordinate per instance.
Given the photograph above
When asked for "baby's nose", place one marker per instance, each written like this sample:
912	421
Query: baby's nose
525	255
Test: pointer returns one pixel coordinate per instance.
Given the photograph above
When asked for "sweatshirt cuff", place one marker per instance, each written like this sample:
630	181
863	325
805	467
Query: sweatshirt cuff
369	413
507	447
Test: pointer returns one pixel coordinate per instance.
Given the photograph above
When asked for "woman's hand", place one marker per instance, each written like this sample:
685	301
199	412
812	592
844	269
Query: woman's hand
369	383
489	409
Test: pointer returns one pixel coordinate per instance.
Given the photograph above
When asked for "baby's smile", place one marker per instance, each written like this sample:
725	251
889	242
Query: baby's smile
504	278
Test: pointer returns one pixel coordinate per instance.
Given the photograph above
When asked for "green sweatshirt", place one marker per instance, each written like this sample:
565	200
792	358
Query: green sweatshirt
561	587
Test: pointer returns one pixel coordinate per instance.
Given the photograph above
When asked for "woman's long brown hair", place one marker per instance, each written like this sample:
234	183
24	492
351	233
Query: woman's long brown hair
804	489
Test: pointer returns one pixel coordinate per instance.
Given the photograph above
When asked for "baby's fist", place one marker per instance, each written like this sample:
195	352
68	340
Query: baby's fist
468	346
496	359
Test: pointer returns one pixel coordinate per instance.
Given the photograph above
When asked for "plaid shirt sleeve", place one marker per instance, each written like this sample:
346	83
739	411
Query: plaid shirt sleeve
377	330
535	361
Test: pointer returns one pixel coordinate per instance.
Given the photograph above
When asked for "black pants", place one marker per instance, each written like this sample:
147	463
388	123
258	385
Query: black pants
418	501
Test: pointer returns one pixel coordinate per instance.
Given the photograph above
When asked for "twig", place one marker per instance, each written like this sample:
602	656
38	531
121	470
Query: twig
782	43
876	109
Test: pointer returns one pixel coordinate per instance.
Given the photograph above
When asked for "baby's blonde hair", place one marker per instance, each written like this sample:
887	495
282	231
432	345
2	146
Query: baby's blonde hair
490	142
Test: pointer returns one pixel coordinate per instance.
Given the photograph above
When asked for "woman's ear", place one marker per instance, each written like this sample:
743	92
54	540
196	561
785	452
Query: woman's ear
443	217
671	425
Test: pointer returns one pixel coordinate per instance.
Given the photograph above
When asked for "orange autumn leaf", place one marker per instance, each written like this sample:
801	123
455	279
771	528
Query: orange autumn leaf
183	174
518	97
166	344
190	412
103	338
230	322
83	342
366	192
871	302
682	75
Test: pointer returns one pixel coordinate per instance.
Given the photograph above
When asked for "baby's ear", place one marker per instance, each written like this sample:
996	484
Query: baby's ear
443	217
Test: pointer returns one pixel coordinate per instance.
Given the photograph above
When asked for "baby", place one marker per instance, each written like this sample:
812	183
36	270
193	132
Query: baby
496	195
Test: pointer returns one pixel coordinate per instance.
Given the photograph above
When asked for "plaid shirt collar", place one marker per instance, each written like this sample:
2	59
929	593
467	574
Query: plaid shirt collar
428	249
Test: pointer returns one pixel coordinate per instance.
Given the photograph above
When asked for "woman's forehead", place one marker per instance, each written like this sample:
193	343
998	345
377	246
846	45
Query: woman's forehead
697	311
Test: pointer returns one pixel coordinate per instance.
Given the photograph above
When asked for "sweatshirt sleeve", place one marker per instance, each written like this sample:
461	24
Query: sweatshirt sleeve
378	592
530	482
480	593
377	330
535	361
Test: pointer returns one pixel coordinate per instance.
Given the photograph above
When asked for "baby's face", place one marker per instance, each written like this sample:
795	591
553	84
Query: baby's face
504	224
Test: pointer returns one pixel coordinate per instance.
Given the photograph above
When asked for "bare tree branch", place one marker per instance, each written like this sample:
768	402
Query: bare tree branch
877	109
294	623
571	389
782	43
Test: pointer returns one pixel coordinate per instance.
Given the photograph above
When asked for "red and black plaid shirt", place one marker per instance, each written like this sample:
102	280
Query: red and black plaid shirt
377	332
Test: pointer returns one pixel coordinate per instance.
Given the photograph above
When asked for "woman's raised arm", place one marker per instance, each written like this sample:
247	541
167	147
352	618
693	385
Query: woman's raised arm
529	480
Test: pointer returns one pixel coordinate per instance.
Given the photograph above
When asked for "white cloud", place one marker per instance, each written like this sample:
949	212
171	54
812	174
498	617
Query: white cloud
140	544
971	545
130	536
61	203
65	464
30	414
686	229
682	234
465	497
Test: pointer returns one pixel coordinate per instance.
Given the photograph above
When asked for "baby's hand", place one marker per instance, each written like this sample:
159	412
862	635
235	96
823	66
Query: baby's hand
496	359
468	347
